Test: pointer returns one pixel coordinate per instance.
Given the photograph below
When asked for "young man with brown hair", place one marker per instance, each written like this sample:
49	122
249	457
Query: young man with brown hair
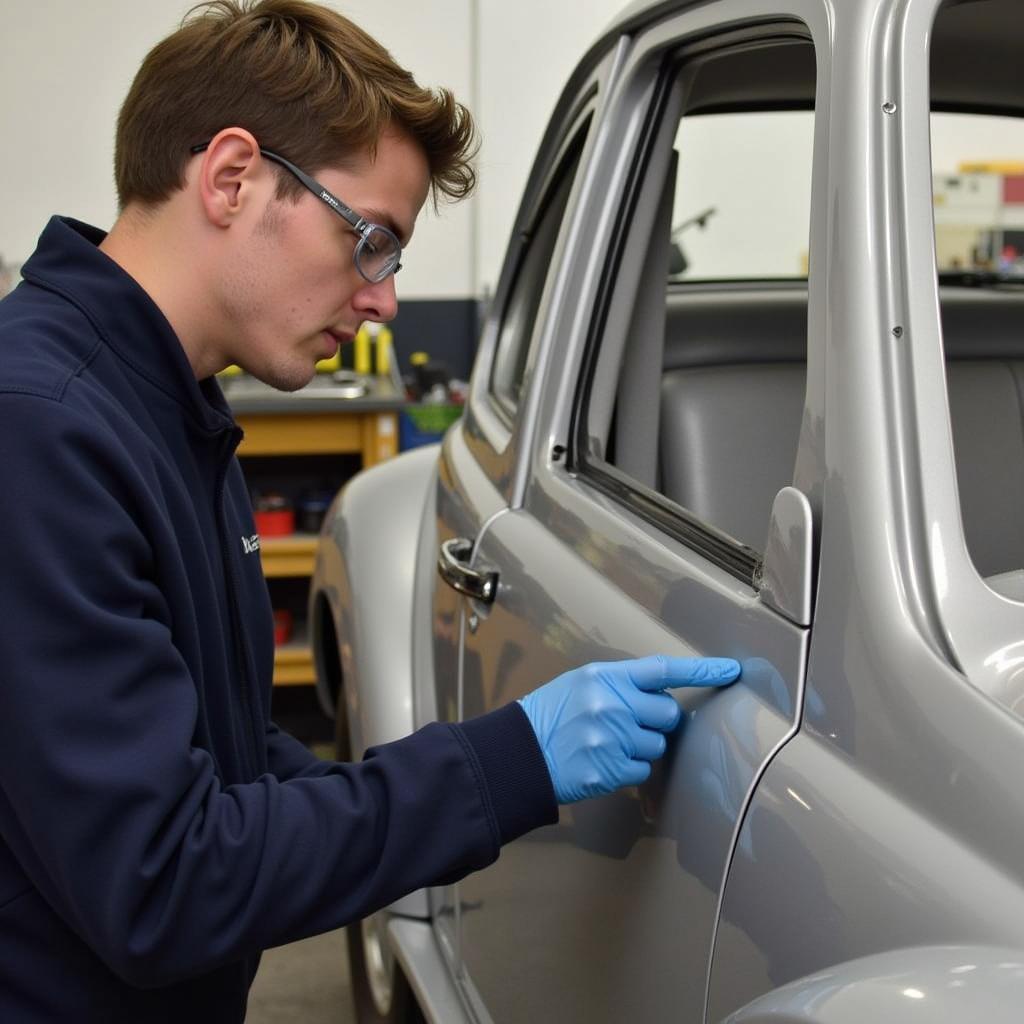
157	831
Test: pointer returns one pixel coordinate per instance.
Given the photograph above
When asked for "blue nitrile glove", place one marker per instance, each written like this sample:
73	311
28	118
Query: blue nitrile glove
601	725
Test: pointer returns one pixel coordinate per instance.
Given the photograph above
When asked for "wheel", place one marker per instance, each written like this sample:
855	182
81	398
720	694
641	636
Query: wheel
380	991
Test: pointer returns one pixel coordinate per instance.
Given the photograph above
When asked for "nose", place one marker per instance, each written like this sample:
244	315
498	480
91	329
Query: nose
377	302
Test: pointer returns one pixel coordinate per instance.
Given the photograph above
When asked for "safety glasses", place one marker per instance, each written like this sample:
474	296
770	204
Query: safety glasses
378	252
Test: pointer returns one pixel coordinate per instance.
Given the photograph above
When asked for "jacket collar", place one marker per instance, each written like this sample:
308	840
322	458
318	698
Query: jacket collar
68	261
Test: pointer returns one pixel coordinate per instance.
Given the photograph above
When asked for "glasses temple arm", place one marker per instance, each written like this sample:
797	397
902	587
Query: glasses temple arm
312	184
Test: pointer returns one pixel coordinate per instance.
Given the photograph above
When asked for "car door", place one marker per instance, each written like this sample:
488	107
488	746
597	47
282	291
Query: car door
481	453
610	914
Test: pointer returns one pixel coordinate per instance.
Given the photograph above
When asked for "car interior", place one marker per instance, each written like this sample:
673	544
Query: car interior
732	393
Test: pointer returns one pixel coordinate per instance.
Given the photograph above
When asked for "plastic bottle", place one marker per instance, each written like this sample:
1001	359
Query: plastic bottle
384	342
362	350
418	361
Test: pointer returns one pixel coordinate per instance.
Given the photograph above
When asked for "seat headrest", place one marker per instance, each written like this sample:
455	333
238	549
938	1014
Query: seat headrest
725	326
982	324
728	327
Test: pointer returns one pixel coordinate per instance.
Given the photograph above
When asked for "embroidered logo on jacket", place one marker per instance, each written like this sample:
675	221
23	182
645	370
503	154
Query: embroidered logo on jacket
251	544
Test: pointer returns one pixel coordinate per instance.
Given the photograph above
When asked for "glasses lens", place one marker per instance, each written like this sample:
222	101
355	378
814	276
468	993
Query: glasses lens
378	253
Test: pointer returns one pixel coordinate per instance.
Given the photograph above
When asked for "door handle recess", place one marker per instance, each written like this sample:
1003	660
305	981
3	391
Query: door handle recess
451	564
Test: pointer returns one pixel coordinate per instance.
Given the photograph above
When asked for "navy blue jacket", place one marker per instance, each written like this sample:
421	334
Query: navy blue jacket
157	831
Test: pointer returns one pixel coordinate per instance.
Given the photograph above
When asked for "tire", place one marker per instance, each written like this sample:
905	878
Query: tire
381	993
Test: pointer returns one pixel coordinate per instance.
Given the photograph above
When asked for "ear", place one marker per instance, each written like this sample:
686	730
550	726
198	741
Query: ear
231	172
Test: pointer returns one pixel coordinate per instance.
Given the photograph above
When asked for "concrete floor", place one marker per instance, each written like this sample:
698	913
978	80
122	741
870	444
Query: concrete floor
303	983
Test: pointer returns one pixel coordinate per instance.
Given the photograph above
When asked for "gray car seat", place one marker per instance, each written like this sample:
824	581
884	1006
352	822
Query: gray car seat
732	396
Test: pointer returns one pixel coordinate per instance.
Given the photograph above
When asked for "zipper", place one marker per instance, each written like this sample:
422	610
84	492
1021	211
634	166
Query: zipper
231	582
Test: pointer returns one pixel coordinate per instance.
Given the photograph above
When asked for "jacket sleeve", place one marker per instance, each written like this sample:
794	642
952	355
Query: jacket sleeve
287	758
120	823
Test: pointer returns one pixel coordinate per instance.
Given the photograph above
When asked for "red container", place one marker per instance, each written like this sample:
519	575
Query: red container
282	626
274	515
276	523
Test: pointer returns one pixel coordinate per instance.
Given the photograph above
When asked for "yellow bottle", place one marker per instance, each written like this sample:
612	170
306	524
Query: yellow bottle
362	350
384	342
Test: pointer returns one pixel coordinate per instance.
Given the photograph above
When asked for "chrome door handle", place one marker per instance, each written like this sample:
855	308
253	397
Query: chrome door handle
451	564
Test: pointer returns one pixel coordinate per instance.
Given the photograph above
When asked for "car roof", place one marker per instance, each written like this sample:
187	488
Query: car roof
975	56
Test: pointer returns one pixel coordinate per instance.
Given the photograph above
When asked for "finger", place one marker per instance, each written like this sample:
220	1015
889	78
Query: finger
635	772
659	672
653	710
648	745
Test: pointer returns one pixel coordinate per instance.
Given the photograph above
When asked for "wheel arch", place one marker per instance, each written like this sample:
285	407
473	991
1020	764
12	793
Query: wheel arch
362	597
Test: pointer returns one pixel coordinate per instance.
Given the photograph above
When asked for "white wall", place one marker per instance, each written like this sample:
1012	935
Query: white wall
64	68
66	65
527	51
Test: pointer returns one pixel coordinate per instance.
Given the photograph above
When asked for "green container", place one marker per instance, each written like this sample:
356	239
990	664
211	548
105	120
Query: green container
425	424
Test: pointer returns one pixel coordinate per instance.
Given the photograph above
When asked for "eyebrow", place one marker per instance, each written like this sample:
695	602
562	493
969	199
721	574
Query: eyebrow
380	217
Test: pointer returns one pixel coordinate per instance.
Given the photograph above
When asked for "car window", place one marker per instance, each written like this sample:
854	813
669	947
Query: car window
696	391
740	212
978	193
978	198
520	311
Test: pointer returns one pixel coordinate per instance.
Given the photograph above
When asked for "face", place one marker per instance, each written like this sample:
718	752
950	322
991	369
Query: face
291	292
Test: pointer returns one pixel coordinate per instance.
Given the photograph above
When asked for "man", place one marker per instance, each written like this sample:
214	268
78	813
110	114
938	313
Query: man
157	831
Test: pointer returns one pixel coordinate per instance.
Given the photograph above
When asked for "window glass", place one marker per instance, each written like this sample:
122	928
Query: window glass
698	389
520	310
743	196
978	199
978	189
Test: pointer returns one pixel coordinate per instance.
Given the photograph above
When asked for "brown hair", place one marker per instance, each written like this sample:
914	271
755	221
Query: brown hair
307	83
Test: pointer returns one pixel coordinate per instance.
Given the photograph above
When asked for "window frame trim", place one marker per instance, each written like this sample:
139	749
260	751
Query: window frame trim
579	124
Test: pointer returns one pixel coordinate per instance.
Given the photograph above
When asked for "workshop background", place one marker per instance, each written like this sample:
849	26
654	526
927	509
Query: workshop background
64	70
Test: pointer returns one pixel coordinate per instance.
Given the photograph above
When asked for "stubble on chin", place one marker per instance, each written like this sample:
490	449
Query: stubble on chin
287	378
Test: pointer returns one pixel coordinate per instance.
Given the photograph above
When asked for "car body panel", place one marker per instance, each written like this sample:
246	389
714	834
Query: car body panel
811	887
553	895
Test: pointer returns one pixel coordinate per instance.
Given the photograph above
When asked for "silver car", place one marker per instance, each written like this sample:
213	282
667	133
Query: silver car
747	388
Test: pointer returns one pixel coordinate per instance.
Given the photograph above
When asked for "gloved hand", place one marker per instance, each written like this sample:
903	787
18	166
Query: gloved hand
596	724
